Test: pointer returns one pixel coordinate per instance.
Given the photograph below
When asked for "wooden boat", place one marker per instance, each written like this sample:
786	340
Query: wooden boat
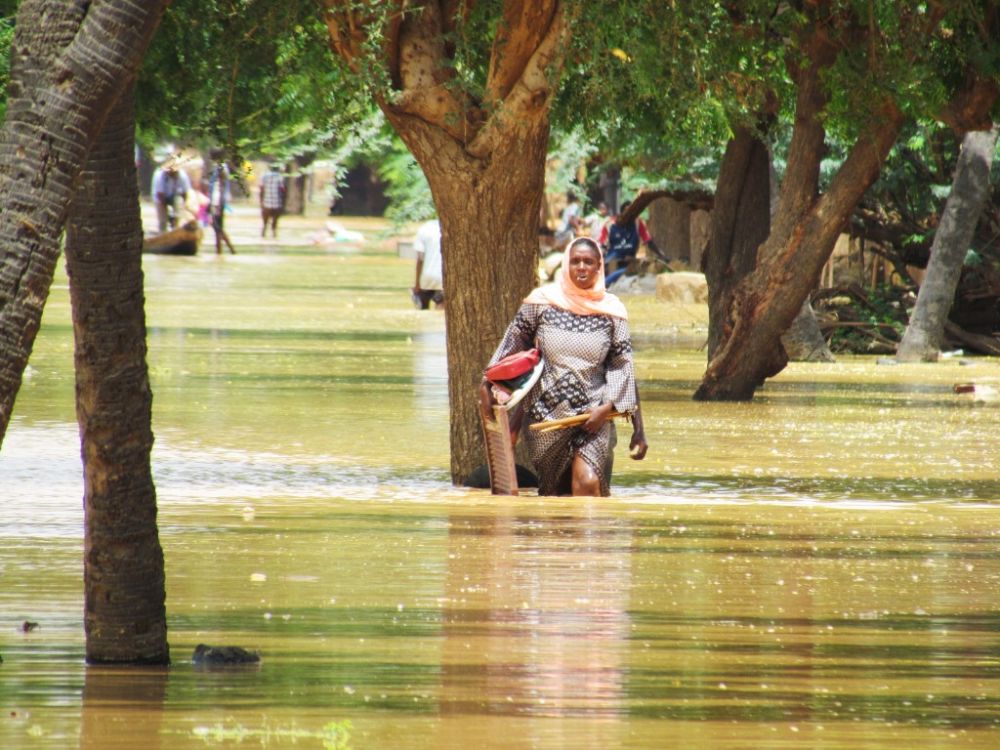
181	241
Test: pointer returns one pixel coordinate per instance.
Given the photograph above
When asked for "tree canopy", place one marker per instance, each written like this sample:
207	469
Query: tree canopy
255	75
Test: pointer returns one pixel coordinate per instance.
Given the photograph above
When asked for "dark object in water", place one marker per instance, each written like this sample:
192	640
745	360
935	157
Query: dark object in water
181	241
480	477
223	655
27	626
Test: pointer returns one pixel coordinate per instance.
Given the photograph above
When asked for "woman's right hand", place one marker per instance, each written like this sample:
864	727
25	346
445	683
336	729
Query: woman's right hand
598	416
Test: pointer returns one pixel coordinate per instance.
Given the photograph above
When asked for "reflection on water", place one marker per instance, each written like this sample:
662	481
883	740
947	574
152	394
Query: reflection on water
536	617
816	569
110	699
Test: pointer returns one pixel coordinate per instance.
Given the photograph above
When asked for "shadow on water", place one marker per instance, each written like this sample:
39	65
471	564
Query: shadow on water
816	569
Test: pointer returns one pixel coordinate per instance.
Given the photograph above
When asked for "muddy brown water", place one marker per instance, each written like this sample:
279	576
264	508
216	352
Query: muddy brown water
816	569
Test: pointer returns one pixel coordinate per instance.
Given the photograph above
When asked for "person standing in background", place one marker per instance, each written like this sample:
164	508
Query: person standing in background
569	221
169	184
428	285
594	222
219	196
621	242
272	199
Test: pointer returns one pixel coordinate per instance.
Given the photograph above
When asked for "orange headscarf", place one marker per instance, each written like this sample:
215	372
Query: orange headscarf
566	295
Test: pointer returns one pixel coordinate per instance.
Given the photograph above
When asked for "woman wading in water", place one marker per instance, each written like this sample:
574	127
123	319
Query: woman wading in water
582	332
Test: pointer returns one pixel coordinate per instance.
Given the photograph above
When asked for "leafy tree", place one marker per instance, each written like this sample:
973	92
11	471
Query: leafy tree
254	75
467	86
821	86
840	72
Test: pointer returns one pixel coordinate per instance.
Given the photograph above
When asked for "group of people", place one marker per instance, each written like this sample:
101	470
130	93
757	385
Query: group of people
171	189
620	241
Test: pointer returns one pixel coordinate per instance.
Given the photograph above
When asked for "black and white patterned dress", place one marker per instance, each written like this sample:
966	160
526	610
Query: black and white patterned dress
588	362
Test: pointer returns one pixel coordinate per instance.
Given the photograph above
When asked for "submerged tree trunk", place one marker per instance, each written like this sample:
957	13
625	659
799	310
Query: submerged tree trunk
969	191
489	244
767	300
483	153
803	232
124	612
741	220
68	60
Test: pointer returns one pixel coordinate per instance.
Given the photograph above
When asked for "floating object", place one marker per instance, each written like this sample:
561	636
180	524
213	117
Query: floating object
181	241
340	233
223	655
27	626
978	391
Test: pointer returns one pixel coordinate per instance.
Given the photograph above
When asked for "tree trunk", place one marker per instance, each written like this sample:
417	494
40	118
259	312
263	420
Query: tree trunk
767	300
488	210
969	191
124	612
740	219
670	226
803	230
68	60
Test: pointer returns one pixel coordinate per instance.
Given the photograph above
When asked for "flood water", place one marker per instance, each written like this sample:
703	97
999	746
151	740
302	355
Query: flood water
816	569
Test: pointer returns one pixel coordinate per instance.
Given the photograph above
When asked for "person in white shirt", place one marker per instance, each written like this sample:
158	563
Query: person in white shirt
169	184
429	285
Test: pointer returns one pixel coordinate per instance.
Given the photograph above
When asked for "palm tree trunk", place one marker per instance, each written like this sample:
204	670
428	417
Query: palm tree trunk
66	74
124	612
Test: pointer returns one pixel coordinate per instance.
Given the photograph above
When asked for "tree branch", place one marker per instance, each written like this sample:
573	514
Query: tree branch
530	96
989	345
524	26
696	200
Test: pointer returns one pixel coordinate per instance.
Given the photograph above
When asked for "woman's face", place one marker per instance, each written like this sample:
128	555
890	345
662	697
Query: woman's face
584	265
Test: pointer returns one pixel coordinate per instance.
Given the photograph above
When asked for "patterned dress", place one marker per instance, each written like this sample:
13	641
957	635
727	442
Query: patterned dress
588	361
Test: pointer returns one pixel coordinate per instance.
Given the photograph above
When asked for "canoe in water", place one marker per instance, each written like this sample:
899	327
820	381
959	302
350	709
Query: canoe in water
181	241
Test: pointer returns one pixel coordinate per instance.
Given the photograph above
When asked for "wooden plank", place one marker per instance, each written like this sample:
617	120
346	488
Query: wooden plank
500	453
